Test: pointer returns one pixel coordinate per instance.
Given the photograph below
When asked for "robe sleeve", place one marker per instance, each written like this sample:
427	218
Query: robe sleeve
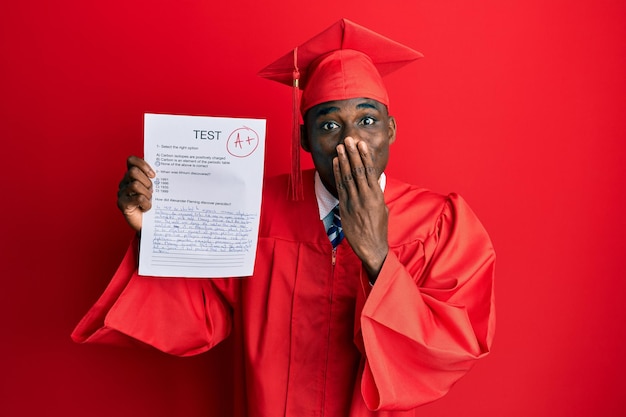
178	316
422	333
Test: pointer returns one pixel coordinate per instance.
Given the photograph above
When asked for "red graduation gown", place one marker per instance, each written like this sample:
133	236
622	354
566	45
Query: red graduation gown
313	337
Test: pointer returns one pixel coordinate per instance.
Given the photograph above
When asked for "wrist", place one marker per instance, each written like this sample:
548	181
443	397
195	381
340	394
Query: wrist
375	264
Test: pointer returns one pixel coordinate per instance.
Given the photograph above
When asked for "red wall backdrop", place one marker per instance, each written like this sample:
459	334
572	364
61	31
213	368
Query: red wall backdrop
520	106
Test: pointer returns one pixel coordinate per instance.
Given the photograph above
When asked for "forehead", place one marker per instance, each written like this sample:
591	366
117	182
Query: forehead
338	106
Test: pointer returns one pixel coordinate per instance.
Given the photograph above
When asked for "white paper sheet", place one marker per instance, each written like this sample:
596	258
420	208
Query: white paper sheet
204	219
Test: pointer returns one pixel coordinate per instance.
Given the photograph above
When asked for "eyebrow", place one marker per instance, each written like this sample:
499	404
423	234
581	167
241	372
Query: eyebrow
324	111
366	105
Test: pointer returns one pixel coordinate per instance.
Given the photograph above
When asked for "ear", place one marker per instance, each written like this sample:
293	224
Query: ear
304	139
392	129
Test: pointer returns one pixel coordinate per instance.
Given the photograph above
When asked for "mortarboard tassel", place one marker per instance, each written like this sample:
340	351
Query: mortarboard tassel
296	173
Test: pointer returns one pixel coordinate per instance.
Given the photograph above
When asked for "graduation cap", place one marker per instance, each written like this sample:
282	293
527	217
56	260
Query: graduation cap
344	61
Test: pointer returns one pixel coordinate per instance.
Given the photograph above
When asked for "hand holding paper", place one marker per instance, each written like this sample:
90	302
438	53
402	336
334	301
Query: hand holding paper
135	191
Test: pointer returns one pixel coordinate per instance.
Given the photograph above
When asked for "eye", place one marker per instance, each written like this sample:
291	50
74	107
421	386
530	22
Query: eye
328	126
368	120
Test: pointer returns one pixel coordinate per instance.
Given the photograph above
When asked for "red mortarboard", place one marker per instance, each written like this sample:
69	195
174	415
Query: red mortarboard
342	62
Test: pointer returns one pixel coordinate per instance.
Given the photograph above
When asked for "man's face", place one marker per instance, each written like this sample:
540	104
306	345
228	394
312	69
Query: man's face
328	124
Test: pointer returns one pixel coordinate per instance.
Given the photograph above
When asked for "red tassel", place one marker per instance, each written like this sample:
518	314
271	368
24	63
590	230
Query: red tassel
297	192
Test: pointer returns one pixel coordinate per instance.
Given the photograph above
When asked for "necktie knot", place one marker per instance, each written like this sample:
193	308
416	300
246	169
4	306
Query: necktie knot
335	231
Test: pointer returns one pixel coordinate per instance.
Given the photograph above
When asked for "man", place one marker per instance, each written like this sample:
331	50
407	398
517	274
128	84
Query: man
369	310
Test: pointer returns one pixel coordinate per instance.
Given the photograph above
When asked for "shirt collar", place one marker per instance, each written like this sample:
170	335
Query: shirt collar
326	201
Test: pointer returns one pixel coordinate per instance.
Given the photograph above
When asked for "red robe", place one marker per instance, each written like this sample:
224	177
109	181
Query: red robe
314	338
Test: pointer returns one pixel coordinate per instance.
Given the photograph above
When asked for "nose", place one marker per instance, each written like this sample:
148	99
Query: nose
350	131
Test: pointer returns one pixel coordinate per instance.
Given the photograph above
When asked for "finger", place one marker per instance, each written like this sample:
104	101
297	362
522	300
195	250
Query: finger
345	171
138	176
143	203
128	193
128	200
371	173
138	171
356	163
135	161
136	187
341	190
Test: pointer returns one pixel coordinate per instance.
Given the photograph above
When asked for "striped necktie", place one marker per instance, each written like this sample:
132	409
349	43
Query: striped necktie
335	232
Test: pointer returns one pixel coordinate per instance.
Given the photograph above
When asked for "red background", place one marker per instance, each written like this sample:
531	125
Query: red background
519	106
